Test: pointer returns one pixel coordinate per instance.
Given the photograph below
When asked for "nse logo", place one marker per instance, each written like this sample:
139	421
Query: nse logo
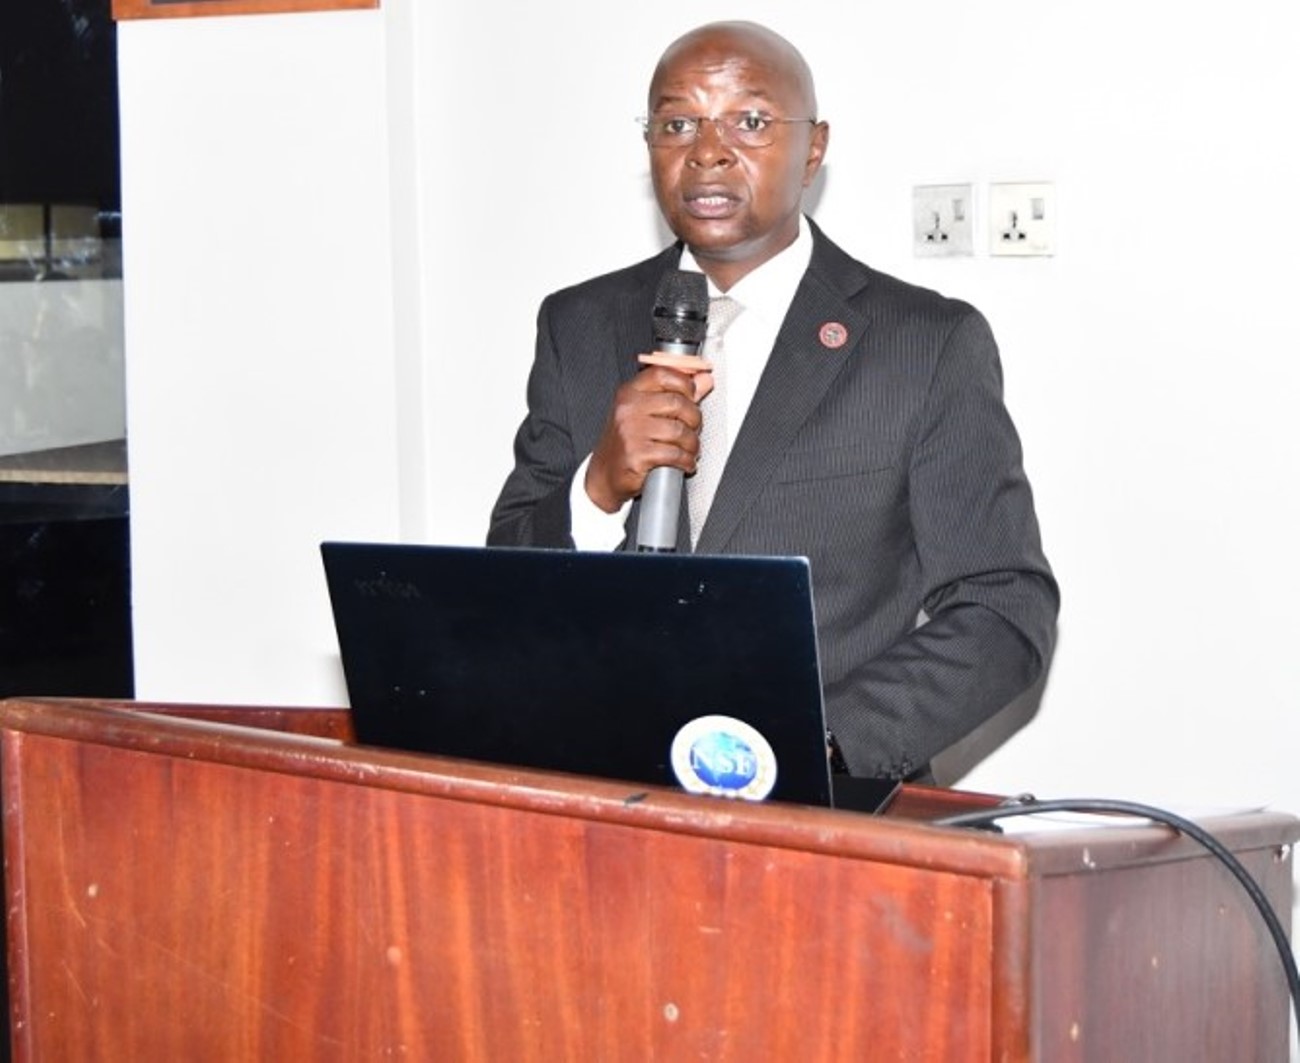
723	756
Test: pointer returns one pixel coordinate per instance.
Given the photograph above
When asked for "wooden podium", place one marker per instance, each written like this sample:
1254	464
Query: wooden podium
243	884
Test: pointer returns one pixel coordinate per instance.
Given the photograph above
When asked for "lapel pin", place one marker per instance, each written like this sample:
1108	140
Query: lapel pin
833	335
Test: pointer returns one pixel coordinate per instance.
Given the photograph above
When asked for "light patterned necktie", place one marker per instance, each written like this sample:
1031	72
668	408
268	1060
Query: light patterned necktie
714	439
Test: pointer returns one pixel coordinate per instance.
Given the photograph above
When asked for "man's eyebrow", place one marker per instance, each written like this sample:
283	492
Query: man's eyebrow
669	101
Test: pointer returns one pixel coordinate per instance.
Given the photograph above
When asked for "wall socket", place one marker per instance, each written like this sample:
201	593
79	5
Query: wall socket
1022	218
943	221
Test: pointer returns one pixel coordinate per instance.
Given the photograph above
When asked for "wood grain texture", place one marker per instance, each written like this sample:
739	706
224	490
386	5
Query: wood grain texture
182	889
132	9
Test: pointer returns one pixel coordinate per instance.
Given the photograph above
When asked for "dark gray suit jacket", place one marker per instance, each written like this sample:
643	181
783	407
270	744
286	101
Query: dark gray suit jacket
890	462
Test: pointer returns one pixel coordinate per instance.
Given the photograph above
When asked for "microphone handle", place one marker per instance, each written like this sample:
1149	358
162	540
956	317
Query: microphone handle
661	496
661	502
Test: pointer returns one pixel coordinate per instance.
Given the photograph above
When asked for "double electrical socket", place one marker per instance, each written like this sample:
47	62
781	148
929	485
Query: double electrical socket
1021	219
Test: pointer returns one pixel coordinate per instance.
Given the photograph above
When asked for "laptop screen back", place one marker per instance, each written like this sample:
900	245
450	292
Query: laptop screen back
699	671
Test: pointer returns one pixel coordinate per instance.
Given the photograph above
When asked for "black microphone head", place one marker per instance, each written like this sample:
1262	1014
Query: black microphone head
681	307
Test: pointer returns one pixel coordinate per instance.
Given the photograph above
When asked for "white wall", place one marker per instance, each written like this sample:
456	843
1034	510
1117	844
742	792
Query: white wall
339	228
262	375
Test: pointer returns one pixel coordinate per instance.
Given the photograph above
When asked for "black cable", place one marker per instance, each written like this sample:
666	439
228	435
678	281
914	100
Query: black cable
1186	826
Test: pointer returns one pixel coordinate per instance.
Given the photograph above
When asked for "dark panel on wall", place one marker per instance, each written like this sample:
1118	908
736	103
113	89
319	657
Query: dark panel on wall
58	103
65	601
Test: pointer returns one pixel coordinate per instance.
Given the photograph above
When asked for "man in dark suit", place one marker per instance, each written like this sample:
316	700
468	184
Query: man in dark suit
867	427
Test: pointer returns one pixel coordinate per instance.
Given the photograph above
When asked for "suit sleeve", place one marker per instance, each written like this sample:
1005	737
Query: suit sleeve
533	507
990	600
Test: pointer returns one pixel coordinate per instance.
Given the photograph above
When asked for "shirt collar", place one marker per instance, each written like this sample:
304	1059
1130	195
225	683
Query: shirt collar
771	286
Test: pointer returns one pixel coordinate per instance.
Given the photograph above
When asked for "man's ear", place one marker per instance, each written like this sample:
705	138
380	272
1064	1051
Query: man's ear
816	151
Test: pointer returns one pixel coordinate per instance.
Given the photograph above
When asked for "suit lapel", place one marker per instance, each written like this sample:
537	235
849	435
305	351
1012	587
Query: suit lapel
798	374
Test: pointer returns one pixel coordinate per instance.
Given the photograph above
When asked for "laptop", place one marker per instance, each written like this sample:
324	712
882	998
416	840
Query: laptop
683	670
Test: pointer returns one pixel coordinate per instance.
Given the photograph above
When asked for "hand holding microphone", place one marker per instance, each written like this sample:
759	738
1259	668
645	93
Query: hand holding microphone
681	319
651	439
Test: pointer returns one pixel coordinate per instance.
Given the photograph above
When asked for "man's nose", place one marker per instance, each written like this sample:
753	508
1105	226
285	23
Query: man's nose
710	147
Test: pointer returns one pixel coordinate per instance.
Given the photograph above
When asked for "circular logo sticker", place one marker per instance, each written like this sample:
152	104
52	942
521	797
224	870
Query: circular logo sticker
725	757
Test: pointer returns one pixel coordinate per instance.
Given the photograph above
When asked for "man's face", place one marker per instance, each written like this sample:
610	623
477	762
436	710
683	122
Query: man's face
735	207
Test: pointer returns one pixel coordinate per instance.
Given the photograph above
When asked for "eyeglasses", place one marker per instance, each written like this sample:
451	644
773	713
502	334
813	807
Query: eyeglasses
740	129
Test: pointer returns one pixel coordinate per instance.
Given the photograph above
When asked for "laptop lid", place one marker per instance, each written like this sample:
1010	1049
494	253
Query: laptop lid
672	669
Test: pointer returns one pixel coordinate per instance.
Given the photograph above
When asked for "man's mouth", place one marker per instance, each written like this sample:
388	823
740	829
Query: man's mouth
710	204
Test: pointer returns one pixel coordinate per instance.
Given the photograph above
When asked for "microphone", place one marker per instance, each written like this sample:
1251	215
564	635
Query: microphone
681	317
